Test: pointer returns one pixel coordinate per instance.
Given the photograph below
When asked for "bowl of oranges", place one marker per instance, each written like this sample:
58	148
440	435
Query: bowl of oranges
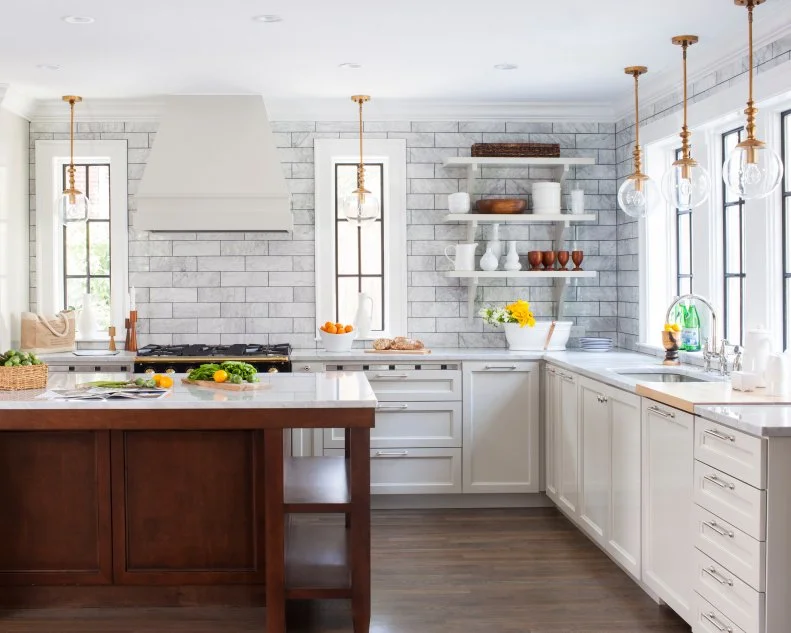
337	337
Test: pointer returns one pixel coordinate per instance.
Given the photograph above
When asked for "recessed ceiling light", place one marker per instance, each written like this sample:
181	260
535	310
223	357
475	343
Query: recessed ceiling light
506	66
48	67
78	19
267	19
350	65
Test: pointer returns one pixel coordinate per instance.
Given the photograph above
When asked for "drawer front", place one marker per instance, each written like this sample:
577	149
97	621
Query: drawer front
411	425
729	546
709	619
413	471
733	452
734	598
734	501
307	368
415	385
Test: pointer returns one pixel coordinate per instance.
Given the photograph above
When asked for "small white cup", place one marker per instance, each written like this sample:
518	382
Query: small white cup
578	201
465	255
459	202
744	381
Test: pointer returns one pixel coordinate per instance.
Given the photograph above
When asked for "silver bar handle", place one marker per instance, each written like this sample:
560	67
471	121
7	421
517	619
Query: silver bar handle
713	619
392	376
391	454
501	368
712	571
720	436
397	407
662	412
716	480
718	529
602	398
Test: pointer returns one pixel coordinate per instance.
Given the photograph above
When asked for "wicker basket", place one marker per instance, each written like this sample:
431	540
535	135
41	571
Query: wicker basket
515	150
28	377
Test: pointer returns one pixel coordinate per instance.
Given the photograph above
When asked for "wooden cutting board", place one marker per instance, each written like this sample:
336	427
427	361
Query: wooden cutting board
419	352
686	395
227	386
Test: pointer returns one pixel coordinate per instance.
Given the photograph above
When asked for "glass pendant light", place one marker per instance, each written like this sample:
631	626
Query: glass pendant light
686	184
752	170
361	207
638	193
72	203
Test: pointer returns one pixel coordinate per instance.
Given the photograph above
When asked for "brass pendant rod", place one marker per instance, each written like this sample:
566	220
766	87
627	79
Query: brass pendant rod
361	166
71	146
637	109
636	71
685	129
751	109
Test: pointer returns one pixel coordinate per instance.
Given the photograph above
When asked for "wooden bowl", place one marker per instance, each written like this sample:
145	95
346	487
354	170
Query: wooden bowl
502	205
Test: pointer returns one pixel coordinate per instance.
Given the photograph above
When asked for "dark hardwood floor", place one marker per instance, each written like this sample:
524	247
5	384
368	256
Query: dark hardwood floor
488	571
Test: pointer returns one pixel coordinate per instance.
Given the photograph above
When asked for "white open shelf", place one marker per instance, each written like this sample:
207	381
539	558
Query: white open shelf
518	218
520	274
488	161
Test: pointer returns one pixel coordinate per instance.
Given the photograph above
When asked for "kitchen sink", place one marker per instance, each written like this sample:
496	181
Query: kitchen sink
660	377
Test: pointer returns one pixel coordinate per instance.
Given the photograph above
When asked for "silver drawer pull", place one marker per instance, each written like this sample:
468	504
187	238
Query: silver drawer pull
662	412
720	436
501	368
396	407
713	619
716	480
392	376
712	571
392	453
718	529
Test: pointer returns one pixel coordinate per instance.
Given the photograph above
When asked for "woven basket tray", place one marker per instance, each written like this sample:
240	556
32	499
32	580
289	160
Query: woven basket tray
516	150
29	377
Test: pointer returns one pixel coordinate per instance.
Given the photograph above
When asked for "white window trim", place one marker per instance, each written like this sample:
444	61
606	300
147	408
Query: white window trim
50	158
392	154
708	119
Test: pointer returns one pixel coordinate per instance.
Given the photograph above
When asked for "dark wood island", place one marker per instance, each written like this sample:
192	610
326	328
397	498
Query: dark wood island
186	500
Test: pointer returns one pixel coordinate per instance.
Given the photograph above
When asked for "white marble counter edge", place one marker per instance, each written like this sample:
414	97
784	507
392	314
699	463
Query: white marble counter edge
709	412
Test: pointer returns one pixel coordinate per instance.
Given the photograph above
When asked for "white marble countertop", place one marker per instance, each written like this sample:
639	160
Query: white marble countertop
762	420
436	355
337	390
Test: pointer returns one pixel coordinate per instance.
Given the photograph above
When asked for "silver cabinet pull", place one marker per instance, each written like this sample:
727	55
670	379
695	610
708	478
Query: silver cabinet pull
306	368
662	412
501	368
720	436
392	376
396	407
712	571
567	377
601	398
718	529
713	619
716	480
391	453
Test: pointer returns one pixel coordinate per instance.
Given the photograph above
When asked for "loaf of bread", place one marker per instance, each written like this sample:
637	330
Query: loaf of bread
403	343
383	343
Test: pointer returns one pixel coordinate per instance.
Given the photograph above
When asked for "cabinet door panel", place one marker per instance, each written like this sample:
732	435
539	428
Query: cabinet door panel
567	450
500	430
594	460
551	424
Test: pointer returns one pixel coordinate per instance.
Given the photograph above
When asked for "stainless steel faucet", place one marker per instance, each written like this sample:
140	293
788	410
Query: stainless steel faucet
709	347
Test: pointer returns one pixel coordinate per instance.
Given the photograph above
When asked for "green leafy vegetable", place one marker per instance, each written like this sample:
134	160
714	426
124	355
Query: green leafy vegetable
204	372
237	372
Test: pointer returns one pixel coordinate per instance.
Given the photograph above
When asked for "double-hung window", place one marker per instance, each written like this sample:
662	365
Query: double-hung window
733	251
370	259
90	256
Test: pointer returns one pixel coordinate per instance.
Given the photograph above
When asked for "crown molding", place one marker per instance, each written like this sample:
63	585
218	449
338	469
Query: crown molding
668	80
96	110
16	101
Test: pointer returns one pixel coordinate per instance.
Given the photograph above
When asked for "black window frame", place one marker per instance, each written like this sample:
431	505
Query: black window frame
785	208
728	275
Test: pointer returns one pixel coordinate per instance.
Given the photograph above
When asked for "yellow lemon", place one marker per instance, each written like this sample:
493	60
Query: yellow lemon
220	375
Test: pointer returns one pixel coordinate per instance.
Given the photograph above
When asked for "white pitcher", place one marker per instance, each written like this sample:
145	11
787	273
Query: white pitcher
88	322
362	319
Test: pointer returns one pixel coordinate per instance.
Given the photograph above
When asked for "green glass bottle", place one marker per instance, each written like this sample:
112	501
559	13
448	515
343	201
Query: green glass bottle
690	334
679	316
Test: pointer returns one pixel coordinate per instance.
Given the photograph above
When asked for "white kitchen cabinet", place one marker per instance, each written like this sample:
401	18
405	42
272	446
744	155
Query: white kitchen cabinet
500	427
567	443
551	431
594	460
668	563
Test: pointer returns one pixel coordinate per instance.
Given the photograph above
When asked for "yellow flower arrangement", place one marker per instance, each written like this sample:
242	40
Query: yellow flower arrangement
520	310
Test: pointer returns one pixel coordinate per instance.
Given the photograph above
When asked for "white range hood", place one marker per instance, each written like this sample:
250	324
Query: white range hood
213	167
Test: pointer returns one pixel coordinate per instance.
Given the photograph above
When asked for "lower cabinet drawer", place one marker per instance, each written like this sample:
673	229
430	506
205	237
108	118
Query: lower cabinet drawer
734	501
709	619
729	546
733	597
413	470
414	424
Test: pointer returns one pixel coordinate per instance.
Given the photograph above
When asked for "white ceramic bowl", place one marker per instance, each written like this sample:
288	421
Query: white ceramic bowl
337	342
560	335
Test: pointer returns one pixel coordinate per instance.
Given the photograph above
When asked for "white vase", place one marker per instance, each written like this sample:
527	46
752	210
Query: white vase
489	261
495	244
362	319
512	259
527	338
87	323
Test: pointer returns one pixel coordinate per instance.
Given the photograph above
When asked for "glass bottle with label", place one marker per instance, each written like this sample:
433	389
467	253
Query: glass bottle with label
679	316
690	334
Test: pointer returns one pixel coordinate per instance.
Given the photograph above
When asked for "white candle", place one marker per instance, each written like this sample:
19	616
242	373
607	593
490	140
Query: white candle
132	305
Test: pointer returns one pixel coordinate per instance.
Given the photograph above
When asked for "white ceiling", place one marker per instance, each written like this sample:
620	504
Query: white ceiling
568	51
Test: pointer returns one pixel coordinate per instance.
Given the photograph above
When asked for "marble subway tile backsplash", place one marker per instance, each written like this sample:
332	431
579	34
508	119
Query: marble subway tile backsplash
234	287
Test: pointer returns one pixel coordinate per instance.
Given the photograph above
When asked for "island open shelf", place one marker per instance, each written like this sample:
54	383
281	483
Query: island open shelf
317	561
316	485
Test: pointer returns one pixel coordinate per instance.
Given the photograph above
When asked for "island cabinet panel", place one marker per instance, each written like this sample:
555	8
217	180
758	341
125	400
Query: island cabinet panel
55	508
188	507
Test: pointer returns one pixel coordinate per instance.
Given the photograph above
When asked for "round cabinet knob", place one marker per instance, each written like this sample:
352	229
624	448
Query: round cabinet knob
170	370
272	370
150	370
306	368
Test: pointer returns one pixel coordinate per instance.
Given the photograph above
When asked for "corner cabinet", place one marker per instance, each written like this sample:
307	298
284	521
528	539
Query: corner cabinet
668	564
500	427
